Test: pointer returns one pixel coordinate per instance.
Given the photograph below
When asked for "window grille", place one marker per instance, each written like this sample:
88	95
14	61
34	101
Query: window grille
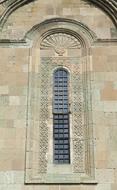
61	117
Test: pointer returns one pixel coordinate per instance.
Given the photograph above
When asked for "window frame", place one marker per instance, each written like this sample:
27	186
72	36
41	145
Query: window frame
61	79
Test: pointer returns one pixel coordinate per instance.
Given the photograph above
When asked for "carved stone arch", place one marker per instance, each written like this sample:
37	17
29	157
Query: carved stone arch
2	1
76	28
43	60
108	6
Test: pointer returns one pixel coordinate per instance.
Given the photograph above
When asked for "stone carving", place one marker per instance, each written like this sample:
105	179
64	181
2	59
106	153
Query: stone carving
43	118
60	42
78	134
81	161
76	103
109	6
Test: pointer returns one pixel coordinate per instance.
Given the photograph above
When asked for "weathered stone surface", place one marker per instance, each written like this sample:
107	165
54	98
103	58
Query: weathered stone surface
21	59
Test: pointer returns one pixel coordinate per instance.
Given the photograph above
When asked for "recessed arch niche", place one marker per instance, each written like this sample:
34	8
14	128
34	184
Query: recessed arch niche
59	43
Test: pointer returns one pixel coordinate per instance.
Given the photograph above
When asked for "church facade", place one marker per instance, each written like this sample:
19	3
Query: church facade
58	95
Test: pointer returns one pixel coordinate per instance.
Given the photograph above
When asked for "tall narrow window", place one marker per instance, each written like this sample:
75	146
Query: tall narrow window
61	117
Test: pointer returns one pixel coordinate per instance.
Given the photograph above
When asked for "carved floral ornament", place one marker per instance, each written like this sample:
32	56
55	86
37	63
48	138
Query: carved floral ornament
60	42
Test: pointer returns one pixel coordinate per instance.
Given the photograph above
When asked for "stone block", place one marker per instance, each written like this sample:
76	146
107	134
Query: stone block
14	100
11	187
69	187
114	186
105	176
4	90
103	187
108	93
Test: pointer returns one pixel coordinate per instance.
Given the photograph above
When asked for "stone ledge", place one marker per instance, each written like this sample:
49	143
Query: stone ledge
60	179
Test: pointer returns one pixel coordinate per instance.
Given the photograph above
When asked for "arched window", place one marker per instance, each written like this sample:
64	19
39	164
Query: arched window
60	137
61	117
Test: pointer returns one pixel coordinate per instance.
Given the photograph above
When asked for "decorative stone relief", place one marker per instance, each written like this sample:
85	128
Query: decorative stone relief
43	82
47	67
60	42
43	118
78	128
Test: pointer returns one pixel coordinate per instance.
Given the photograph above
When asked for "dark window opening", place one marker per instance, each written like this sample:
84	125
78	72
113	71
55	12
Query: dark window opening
61	117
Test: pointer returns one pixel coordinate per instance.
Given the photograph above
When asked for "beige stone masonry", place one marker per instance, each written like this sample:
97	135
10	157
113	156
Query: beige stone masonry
17	52
108	93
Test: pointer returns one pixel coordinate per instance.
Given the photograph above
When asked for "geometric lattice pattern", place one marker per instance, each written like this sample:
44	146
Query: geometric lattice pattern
59	113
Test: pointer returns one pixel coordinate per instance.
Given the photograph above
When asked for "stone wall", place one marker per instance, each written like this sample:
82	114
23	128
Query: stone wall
23	19
14	87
